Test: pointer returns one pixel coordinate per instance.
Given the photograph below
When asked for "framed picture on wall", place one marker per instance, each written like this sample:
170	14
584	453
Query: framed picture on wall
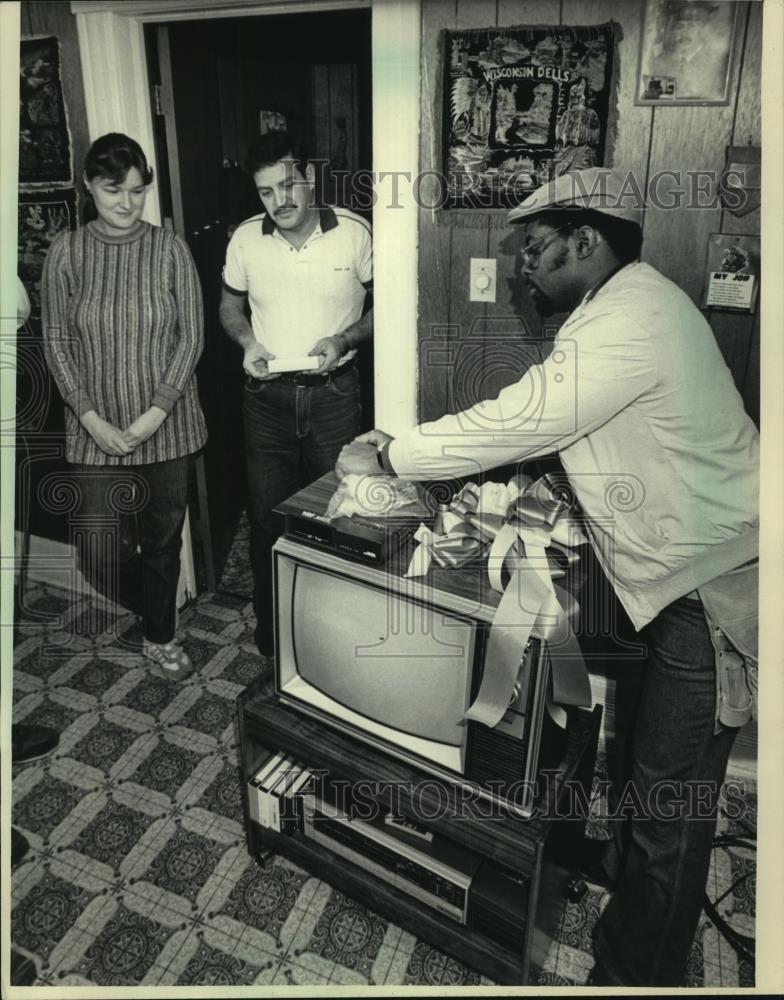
686	51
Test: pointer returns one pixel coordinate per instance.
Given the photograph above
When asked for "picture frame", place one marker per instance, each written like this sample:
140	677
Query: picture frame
687	50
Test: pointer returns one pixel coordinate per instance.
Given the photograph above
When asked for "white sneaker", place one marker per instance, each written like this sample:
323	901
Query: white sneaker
170	659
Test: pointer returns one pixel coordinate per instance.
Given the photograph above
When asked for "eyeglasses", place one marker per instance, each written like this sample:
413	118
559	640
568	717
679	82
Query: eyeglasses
530	254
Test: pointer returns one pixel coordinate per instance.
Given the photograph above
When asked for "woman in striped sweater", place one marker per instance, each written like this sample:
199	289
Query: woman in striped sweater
123	330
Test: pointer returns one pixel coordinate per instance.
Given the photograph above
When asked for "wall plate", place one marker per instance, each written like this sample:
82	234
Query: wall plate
482	280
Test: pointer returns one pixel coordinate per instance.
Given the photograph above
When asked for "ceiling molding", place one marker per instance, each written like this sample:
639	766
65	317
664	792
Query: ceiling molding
176	10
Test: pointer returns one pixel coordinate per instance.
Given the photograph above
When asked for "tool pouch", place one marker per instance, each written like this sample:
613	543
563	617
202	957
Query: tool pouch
731	603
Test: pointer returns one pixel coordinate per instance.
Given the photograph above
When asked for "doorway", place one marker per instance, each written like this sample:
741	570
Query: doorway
215	84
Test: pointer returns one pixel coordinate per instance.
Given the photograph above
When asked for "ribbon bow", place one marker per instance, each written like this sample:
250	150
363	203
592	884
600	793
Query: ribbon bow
529	534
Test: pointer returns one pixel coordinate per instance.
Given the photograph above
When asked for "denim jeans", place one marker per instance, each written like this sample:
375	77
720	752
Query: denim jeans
127	529
293	435
662	843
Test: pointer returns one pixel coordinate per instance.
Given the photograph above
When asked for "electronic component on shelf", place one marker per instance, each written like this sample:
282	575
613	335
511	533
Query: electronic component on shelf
363	539
444	875
436	873
403	825
371	537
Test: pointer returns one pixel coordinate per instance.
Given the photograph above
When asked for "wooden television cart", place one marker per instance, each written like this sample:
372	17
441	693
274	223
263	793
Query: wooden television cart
536	852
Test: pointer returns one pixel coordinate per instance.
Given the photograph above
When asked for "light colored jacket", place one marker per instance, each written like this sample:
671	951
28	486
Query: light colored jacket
651	431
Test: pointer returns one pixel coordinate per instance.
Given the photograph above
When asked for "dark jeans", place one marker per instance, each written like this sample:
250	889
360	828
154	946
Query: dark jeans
662	844
293	435
128	532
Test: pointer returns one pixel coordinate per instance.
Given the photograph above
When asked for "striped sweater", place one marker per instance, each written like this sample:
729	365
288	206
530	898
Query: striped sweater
123	329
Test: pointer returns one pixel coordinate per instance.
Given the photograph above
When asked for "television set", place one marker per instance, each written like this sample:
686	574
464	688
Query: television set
396	663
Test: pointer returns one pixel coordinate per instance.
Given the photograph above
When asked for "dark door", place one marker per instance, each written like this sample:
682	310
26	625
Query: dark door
184	67
217	82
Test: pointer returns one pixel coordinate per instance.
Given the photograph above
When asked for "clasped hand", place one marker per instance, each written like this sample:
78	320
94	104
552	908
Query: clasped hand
114	441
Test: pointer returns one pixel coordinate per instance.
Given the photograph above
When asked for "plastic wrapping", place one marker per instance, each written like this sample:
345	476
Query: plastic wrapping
373	496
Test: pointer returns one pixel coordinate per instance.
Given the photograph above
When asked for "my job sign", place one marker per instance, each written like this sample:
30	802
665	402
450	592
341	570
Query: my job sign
730	291
732	272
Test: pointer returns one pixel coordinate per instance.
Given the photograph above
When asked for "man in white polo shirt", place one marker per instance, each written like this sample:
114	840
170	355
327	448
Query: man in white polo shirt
306	273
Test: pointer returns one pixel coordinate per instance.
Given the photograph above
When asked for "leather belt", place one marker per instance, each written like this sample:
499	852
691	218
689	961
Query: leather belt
306	380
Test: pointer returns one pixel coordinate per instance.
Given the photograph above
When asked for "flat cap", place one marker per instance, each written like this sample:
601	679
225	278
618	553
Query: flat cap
597	188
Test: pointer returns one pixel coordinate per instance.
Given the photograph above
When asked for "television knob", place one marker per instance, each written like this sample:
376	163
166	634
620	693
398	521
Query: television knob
514	695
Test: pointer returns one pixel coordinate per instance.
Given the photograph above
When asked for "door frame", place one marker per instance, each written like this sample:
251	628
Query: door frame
112	52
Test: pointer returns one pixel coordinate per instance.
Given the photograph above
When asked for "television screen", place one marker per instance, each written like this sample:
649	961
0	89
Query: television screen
390	660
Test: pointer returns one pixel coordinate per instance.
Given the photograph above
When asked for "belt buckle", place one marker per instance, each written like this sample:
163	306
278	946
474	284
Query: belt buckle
304	381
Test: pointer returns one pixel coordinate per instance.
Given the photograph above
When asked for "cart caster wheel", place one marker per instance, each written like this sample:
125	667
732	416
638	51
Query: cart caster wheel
576	889
263	856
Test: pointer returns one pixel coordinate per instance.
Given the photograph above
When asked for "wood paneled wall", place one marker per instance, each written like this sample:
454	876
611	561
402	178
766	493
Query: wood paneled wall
469	349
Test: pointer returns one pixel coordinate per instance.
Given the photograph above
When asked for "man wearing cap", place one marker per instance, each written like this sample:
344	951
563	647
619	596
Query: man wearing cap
635	392
305	273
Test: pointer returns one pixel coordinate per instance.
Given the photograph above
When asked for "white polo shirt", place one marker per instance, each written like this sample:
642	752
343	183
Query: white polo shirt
299	296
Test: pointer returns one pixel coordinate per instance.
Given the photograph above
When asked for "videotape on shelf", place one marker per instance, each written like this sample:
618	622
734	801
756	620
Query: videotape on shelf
275	794
255	797
291	809
270	789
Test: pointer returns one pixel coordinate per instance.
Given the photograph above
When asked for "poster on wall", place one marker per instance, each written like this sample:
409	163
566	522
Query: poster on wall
42	215
44	140
524	105
732	275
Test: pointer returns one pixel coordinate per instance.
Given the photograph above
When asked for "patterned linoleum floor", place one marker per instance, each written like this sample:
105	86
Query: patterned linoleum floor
138	871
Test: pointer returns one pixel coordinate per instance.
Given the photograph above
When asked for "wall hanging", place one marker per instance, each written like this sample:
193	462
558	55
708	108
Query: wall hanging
42	215
523	105
44	139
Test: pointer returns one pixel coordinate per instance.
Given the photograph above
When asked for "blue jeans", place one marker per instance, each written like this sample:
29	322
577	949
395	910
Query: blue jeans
293	435
661	849
127	529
